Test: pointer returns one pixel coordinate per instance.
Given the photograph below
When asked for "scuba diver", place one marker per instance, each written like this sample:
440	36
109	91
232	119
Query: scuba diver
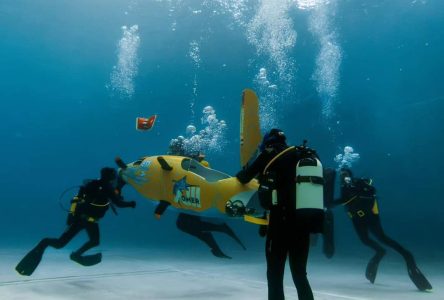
196	226
283	191
87	208
359	198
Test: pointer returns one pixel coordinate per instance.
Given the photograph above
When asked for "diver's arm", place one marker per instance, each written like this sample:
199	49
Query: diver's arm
118	200
160	209
336	202
347	195
248	172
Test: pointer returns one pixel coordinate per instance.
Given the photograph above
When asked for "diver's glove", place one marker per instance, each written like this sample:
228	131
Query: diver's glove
132	204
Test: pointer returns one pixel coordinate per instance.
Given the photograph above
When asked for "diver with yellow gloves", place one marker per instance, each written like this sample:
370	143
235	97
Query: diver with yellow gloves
196	226
291	188
358	195
87	208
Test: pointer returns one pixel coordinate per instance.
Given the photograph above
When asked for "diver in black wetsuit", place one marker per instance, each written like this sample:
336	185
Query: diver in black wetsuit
88	207
359	198
196	226
289	229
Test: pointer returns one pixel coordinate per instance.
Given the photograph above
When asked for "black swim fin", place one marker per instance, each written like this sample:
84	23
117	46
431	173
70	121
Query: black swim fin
218	253
86	260
419	279
164	164
372	267
230	232
30	262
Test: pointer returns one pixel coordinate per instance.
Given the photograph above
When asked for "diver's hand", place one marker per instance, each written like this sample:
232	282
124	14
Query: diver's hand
157	216
132	204
263	230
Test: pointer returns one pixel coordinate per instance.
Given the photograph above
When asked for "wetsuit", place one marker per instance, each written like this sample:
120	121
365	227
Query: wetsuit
201	228
288	231
91	204
93	201
359	198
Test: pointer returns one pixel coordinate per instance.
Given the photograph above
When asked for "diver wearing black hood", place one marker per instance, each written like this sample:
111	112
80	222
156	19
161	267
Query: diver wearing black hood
88	207
359	198
289	228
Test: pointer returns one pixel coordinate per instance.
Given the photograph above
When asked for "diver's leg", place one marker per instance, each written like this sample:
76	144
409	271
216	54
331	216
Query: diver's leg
93	232
276	254
415	274
206	226
92	229
33	258
299	247
362	229
70	232
375	228
191	225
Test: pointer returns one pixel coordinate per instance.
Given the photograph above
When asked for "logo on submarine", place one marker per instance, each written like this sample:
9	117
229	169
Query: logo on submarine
186	194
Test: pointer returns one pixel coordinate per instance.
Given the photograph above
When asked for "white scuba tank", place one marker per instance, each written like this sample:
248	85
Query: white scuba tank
309	184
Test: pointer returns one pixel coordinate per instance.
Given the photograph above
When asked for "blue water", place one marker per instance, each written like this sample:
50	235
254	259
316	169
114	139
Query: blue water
361	73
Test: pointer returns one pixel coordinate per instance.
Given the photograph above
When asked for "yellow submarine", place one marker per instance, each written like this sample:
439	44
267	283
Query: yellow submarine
186	184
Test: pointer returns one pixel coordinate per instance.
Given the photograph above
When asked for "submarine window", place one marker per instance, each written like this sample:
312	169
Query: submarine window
137	162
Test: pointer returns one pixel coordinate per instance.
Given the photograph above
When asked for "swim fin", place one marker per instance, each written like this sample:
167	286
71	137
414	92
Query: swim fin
30	262
226	229
372	267
218	253
86	260
419	279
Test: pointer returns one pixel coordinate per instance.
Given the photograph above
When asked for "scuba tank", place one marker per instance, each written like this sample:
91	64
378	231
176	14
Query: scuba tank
309	184
309	181
309	188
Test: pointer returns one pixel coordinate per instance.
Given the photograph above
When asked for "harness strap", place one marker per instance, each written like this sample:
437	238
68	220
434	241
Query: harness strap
276	157
99	205
313	179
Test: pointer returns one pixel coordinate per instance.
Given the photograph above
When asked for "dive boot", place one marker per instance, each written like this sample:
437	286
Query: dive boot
372	267
30	262
86	260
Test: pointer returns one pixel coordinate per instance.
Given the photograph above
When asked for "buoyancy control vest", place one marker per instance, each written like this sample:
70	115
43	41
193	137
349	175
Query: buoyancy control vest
361	198
309	181
91	202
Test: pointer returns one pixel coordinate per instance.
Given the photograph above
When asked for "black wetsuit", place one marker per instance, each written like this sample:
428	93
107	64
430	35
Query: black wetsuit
202	229
97	196
195	225
359	198
288	231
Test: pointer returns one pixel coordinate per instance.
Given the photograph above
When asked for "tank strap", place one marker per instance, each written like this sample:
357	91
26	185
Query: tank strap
276	157
312	179
99	205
